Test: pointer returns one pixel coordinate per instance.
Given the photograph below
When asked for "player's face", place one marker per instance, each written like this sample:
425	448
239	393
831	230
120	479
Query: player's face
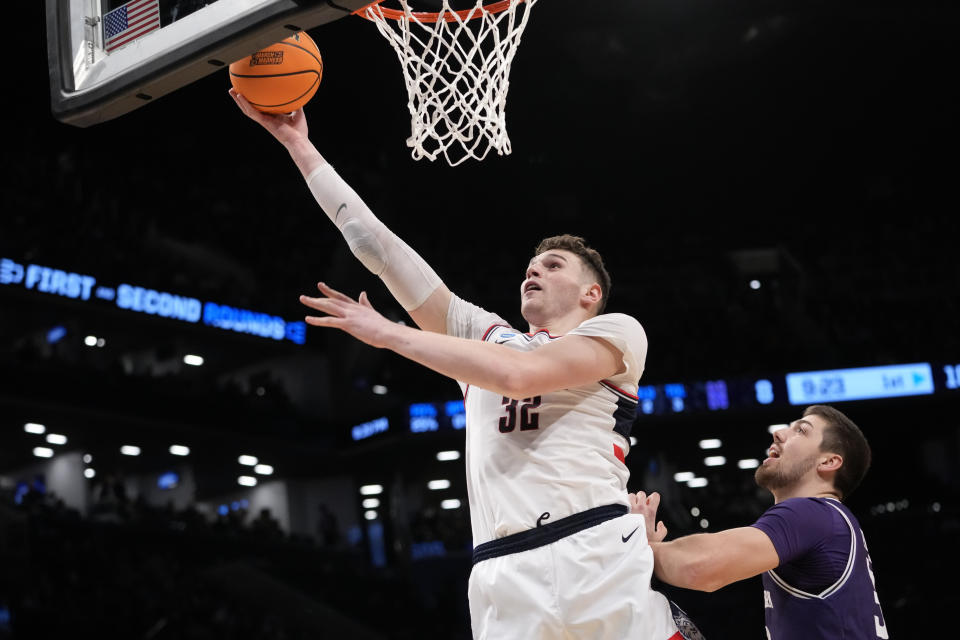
794	454
554	282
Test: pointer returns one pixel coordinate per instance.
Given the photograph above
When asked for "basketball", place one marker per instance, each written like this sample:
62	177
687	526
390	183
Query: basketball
281	78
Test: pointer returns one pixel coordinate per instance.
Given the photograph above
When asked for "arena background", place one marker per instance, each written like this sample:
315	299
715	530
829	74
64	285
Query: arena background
808	146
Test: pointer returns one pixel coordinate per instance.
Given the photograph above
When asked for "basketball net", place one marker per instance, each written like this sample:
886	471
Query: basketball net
456	66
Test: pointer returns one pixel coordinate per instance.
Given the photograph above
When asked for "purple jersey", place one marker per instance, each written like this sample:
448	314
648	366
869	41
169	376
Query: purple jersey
824	585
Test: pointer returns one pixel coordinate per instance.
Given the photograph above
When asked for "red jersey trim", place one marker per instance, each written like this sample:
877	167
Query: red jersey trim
549	335
618	451
616	389
490	329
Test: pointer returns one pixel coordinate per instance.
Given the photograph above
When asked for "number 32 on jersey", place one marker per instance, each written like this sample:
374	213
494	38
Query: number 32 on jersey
522	411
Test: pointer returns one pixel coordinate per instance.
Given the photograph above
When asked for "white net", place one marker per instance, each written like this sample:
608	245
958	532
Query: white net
457	71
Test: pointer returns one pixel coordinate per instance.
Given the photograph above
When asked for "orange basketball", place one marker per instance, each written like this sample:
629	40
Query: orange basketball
281	78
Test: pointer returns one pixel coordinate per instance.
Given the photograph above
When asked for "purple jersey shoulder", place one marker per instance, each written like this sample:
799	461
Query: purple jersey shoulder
824	586
811	539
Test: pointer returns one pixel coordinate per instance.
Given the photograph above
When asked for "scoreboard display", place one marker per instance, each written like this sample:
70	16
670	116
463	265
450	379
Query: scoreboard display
839	385
744	394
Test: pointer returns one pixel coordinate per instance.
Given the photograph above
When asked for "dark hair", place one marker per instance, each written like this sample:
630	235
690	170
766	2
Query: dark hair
590	257
843	437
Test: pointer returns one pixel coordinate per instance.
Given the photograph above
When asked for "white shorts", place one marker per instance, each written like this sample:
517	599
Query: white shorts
591	584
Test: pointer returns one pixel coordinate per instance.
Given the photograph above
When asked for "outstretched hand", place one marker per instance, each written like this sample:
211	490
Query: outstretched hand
285	127
356	317
647	507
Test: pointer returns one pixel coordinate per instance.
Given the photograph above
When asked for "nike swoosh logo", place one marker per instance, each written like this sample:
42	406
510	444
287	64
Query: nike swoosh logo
627	537
340	208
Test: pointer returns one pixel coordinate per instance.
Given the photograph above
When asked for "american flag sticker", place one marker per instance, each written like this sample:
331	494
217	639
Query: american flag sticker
125	24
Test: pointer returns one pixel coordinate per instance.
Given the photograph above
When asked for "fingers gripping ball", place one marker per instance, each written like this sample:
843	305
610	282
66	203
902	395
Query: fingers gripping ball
281	78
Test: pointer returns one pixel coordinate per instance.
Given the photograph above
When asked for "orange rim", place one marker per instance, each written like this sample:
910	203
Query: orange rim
426	16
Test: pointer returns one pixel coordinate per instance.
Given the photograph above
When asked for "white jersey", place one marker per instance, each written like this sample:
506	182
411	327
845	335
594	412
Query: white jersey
538	460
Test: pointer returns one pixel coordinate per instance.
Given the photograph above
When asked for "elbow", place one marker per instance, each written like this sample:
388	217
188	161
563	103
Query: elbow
513	384
518	382
700	575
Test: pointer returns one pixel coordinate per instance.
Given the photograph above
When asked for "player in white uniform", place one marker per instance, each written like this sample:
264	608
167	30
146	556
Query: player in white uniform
557	555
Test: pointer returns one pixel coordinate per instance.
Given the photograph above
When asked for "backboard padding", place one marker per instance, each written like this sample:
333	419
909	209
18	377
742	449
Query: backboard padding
88	86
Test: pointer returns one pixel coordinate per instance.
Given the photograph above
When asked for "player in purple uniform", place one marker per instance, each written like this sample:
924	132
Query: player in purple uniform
817	574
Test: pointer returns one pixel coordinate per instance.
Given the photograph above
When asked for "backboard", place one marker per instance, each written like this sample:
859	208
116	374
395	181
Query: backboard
109	57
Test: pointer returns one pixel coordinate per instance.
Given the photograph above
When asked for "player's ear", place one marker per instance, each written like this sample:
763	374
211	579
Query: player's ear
593	294
830	462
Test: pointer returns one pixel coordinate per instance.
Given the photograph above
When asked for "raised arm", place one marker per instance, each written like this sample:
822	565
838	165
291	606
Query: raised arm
570	361
411	281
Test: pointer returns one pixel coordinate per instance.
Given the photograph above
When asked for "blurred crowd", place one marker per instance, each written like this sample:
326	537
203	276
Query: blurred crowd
150	572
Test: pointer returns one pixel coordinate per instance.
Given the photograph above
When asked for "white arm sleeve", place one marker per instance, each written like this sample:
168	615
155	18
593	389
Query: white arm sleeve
408	277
